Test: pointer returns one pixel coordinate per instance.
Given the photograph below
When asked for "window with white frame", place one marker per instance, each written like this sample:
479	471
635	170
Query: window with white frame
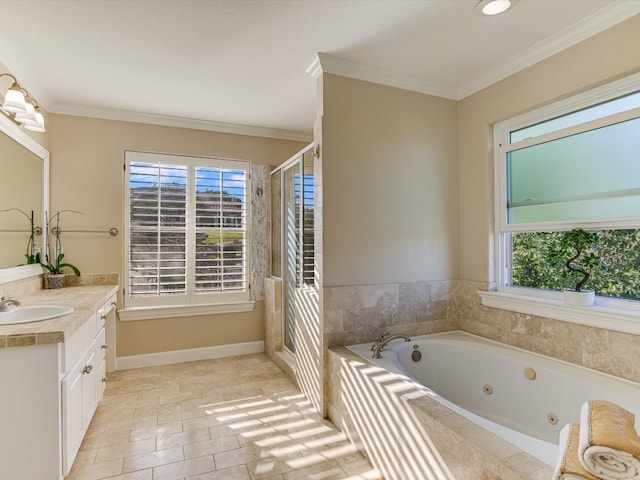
186	230
574	164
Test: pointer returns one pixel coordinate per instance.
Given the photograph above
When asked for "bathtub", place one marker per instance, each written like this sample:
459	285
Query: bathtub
523	397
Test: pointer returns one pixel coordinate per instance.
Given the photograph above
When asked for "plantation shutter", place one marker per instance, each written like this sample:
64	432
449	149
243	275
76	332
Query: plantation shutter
220	230
157	235
308	229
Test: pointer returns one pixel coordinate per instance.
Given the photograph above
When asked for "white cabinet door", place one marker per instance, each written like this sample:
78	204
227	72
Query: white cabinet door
101	375
110	332
89	386
72	430
79	402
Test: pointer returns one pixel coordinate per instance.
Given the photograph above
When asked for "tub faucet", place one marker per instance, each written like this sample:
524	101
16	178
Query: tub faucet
382	340
6	301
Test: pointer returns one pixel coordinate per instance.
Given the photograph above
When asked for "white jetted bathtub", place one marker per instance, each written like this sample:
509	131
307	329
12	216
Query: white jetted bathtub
521	396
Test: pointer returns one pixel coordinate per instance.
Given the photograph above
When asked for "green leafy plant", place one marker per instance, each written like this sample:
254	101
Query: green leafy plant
56	267
579	254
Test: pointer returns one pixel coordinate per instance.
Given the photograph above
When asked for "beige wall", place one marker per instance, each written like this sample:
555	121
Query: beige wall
390	180
87	157
408	182
387	218
597	60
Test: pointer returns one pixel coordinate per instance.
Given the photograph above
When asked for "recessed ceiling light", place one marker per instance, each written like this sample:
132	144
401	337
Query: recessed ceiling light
494	7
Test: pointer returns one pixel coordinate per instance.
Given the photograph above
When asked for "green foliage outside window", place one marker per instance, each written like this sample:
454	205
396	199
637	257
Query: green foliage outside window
619	251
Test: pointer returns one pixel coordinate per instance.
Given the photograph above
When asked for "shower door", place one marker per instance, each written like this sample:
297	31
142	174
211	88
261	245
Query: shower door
291	247
295	180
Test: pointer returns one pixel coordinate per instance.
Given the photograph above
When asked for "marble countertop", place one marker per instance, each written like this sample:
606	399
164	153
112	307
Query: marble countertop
84	300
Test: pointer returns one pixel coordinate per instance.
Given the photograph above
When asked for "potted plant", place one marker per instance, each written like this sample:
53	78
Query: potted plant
578	253
55	276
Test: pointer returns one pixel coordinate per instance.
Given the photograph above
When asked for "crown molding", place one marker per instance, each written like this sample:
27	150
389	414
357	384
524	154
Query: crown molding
22	73
360	71
315	69
595	23
179	122
592	25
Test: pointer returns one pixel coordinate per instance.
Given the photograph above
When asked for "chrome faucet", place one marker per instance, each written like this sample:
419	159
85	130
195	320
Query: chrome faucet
382	340
6	301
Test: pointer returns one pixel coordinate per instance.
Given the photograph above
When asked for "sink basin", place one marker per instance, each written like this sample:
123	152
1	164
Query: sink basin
36	313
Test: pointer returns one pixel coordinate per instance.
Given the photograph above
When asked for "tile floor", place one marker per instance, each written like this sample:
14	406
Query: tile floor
225	419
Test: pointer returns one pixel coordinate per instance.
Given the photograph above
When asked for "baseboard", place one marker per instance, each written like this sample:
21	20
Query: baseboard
177	356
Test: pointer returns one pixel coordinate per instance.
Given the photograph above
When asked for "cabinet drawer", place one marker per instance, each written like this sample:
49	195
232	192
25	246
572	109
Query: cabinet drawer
77	344
106	308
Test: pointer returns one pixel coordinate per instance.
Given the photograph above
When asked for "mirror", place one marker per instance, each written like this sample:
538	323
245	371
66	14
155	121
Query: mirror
24	164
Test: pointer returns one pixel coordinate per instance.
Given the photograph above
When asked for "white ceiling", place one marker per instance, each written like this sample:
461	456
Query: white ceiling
229	64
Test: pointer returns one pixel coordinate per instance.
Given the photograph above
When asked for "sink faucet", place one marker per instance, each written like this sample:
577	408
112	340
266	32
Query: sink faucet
6	301
382	340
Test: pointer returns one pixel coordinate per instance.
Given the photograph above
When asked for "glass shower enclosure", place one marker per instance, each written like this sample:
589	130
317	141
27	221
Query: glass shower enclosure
292	234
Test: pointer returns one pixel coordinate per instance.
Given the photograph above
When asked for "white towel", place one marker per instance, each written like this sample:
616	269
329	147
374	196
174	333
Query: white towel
568	466
609	447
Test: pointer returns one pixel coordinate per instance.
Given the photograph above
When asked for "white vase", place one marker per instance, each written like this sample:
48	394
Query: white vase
584	298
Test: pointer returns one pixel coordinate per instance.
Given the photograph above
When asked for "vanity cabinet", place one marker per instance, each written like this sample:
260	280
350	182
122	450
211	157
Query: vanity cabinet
49	392
84	381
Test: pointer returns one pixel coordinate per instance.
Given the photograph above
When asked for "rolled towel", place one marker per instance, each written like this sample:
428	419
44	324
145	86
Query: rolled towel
568	466
609	446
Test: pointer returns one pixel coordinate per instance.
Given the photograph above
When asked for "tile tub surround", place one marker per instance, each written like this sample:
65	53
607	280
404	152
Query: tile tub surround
359	313
406	433
600	349
84	300
234	418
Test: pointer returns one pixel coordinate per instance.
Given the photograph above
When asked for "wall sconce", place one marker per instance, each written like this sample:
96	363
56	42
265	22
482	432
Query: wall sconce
20	107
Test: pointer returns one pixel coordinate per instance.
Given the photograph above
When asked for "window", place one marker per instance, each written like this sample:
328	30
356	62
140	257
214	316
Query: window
186	230
572	164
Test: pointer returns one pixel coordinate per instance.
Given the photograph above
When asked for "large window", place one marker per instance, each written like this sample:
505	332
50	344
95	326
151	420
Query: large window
186	230
572	164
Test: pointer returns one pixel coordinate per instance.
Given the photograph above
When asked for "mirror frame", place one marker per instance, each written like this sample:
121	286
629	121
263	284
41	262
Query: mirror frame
14	132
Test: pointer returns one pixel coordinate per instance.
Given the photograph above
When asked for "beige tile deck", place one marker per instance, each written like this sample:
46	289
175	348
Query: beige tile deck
226	419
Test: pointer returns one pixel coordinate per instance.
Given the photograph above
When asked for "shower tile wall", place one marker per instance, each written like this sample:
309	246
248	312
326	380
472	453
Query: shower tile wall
359	313
597	348
272	315
258	229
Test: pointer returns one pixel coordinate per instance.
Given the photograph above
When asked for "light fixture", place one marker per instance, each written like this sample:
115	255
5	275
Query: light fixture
494	7
20	107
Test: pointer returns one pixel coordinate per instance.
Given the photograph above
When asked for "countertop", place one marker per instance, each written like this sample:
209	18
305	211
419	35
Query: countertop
84	300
